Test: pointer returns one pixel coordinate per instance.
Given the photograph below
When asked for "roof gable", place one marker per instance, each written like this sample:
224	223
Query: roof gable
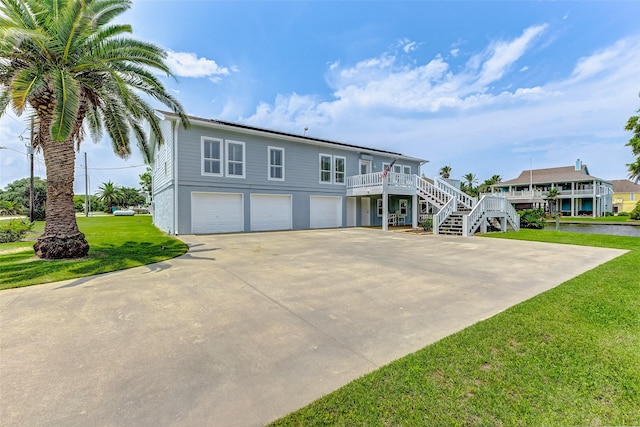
625	186
560	174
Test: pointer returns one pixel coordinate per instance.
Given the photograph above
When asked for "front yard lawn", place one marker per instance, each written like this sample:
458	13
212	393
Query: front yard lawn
570	356
116	243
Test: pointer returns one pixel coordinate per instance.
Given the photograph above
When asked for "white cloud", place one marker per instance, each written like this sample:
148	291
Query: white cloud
186	64
504	54
455	117
454	52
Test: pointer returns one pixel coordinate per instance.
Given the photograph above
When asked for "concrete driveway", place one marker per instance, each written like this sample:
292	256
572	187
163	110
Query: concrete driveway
245	328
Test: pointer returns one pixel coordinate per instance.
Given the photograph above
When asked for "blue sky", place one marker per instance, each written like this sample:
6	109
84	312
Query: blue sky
484	87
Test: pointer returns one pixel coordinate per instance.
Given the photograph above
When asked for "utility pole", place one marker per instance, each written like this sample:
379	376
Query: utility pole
86	187
30	152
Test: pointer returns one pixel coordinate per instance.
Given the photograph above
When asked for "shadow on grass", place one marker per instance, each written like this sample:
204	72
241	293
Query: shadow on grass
23	269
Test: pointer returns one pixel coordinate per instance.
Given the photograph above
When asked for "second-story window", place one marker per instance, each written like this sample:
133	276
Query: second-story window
406	170
211	156
235	159
276	164
325	168
339	164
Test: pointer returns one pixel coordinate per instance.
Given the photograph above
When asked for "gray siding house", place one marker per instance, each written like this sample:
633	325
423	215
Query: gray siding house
221	177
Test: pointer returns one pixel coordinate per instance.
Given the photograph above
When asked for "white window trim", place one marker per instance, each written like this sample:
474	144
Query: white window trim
244	158
385	165
379	208
321	155
404	170
204	139
399	167
406	206
335	171
269	165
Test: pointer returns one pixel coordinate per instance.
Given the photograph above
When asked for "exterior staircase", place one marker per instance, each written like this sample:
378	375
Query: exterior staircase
462	215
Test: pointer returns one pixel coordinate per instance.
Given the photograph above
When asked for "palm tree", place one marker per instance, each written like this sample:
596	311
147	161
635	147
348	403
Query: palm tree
634	170
109	194
70	67
445	171
471	179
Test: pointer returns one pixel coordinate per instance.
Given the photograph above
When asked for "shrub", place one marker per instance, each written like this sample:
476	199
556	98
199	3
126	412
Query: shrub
635	213
624	214
608	214
427	224
14	230
532	218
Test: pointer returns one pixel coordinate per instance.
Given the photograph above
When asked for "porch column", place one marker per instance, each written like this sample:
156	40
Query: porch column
414	211
594	212
385	205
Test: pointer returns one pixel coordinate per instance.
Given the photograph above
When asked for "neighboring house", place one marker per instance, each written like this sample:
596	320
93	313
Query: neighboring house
625	195
221	177
579	193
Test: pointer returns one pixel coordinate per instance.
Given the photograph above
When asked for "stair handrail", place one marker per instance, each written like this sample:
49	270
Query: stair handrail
512	214
429	191
443	214
461	196
474	217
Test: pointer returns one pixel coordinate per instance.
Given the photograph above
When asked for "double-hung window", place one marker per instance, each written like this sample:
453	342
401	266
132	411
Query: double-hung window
406	170
276	164
211	156
235	159
339	166
326	164
333	169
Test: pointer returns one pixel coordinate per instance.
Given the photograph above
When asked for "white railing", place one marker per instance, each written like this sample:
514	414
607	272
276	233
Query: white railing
463	198
443	214
364	181
395	179
430	191
489	204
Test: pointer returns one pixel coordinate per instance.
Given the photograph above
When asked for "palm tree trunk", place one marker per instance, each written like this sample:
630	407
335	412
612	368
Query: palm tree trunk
61	237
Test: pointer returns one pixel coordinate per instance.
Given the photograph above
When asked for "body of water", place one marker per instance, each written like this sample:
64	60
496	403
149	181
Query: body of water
616	230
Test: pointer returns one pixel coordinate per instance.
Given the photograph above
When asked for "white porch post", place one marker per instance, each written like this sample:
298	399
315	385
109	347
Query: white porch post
594	206
385	205
414	211
573	199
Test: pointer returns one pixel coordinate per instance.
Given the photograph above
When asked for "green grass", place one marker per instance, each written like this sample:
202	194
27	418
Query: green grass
570	356
116	243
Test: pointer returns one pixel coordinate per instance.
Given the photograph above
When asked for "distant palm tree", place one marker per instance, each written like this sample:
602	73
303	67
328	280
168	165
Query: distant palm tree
634	170
495	179
552	196
73	69
470	179
445	171
109	194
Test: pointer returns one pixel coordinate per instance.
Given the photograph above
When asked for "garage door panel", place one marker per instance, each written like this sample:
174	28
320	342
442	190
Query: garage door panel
271	212
326	211
216	213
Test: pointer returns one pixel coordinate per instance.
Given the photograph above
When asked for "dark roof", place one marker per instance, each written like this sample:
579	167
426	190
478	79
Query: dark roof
276	132
625	186
543	176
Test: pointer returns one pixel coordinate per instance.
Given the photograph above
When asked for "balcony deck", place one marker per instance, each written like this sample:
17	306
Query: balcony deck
374	183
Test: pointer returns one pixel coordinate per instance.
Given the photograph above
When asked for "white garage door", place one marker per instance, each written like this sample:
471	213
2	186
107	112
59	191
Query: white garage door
270	212
216	213
326	211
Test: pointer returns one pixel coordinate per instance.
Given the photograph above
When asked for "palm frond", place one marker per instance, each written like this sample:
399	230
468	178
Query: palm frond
66	105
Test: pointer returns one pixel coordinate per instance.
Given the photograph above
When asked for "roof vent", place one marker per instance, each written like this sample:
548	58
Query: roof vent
578	165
